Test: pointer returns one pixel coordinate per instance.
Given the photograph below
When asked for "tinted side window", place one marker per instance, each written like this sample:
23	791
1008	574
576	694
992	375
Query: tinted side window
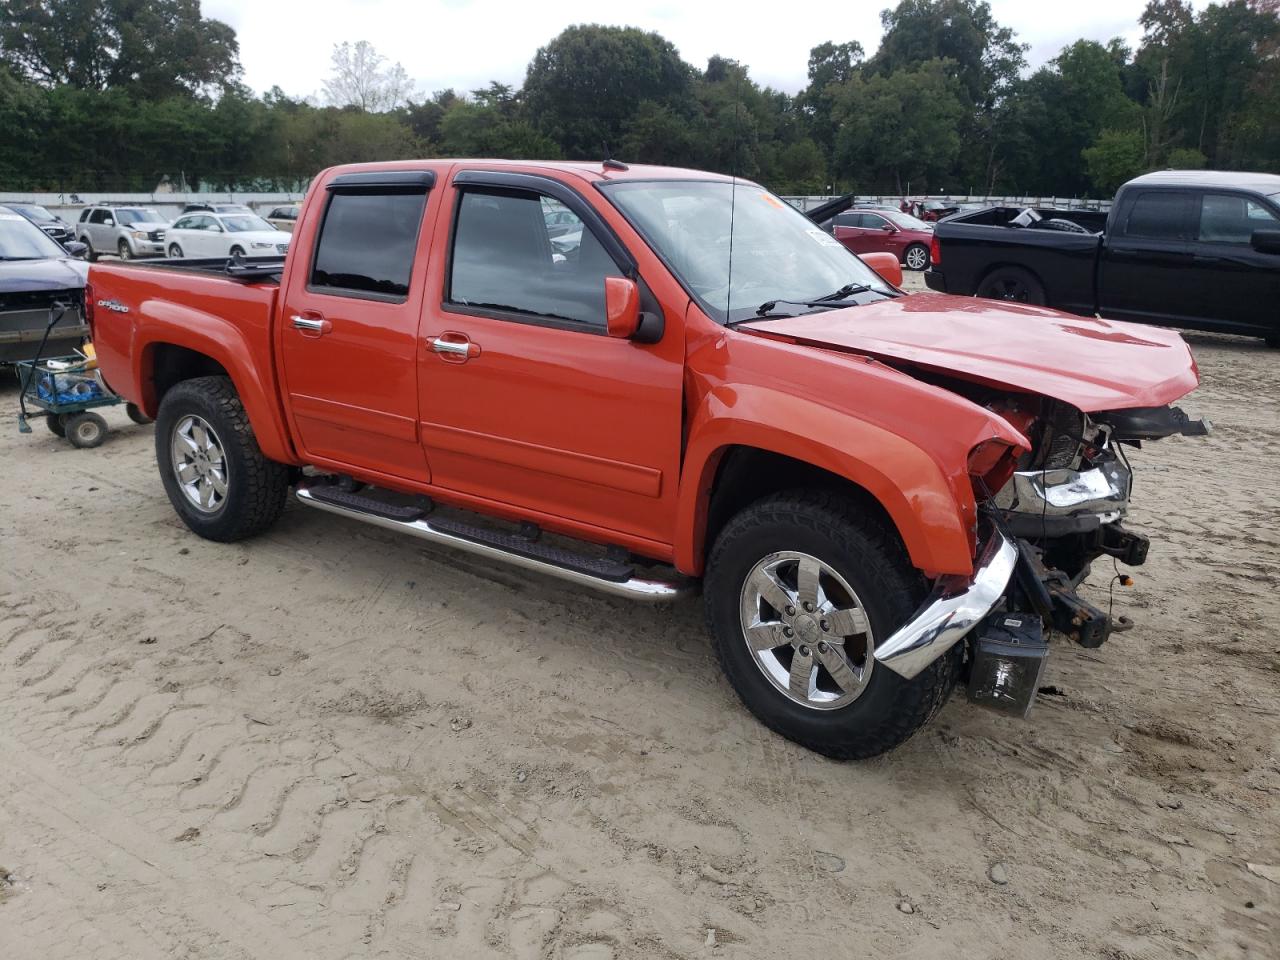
1231	219
872	221
85	215
99	216
366	243
504	259
1159	216
847	220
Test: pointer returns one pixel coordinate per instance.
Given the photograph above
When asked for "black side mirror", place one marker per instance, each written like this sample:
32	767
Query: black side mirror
76	249
1265	241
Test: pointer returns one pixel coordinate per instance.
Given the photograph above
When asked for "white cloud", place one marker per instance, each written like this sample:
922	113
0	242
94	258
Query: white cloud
465	44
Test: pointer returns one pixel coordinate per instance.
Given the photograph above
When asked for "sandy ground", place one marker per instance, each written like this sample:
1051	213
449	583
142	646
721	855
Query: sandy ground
330	742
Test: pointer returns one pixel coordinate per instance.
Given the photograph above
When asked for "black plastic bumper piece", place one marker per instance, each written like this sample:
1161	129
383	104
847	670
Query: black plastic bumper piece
1009	656
935	280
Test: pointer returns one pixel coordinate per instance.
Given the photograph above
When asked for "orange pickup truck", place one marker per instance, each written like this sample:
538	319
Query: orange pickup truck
636	379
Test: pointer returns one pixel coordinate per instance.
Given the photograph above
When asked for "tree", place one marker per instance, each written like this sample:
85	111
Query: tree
901	127
361	79
154	49
1117	156
831	65
586	86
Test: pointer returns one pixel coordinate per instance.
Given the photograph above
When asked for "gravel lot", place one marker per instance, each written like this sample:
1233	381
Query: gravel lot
330	742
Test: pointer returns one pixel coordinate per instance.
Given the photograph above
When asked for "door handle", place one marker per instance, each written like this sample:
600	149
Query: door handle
316	325
455	347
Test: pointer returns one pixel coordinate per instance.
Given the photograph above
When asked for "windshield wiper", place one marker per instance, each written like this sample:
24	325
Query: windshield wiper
848	290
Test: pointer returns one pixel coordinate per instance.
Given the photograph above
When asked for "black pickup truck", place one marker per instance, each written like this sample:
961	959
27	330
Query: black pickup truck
1196	249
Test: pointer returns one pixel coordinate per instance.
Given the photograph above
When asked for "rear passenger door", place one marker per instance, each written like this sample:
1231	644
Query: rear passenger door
348	333
1145	264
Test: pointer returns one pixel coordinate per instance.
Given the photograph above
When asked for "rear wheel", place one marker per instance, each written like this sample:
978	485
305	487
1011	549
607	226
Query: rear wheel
212	468
123	249
801	587
916	257
1013	284
175	251
89	254
85	429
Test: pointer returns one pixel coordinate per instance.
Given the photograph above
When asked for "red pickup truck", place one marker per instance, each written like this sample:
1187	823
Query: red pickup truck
634	379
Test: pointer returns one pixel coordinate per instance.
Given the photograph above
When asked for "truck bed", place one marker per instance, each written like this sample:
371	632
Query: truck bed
1064	262
244	269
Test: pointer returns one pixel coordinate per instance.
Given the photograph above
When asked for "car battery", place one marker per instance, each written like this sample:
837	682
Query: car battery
1009	656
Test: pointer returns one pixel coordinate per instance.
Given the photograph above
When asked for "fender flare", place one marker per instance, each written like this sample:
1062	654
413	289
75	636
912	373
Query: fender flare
214	337
934	514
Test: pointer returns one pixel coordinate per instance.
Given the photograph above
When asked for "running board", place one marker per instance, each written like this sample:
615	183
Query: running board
603	574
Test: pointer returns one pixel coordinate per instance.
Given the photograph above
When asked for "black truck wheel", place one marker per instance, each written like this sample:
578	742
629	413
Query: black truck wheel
85	430
1012	283
800	589
212	468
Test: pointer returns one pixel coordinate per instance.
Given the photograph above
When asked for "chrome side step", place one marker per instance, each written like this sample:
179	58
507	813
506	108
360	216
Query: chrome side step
607	576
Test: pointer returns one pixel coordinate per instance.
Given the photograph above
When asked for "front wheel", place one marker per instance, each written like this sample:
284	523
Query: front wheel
123	249
916	257
237	251
801	587
212	468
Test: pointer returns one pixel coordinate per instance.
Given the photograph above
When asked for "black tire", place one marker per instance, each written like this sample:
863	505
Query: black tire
1273	341
90	254
1013	284
175	252
85	430
237	251
122	248
918	252
871	558
136	415
54	422
256	487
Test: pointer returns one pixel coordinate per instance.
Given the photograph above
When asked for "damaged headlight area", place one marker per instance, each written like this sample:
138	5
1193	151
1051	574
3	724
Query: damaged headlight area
1062	505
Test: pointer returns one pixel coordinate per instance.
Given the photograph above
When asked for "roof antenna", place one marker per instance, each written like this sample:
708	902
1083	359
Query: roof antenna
609	162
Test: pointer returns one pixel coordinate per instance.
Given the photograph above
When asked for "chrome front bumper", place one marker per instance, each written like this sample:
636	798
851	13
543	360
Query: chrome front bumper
955	607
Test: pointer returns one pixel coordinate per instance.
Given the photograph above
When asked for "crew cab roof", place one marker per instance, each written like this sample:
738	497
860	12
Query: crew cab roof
1266	183
587	170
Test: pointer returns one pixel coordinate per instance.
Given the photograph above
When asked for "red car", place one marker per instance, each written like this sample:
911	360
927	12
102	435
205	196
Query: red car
886	231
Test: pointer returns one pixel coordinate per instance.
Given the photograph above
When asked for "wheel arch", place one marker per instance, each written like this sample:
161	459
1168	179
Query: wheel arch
931	513
1007	265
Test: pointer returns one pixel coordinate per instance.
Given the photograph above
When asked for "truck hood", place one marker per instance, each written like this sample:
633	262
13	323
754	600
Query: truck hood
55	273
1089	363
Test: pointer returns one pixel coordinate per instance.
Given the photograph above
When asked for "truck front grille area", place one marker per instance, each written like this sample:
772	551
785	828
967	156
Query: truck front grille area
155	236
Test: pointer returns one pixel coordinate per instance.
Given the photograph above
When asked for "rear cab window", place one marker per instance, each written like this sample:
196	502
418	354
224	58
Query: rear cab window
1159	215
366	244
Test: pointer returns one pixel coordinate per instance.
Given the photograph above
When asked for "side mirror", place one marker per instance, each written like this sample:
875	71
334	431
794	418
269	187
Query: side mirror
889	228
1265	241
886	266
622	307
108	222
76	249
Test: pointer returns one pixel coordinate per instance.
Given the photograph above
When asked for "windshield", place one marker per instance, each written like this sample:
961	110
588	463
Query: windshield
20	239
245	224
778	253
130	215
907	222
35	211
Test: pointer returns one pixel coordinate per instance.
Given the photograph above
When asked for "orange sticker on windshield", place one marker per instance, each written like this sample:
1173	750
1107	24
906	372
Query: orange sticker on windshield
771	199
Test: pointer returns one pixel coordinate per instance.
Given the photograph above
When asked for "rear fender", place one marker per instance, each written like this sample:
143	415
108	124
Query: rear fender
247	363
934	512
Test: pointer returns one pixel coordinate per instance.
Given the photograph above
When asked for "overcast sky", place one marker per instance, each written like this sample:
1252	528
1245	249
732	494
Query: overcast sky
466	43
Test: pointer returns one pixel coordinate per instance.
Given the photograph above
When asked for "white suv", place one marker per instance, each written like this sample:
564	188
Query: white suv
123	230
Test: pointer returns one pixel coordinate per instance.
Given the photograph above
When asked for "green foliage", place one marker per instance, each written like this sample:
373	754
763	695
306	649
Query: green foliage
1117	156
120	94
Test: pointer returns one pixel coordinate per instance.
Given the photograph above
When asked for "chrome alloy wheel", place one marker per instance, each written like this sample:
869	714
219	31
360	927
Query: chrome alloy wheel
199	463
806	630
917	258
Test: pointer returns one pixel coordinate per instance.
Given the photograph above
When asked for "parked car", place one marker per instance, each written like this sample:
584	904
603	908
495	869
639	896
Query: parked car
212	207
36	271
1196	249
885	231
225	235
126	231
54	226
881	492
283	218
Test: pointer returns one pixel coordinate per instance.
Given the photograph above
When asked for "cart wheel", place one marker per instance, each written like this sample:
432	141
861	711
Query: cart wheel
136	415
86	429
55	425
